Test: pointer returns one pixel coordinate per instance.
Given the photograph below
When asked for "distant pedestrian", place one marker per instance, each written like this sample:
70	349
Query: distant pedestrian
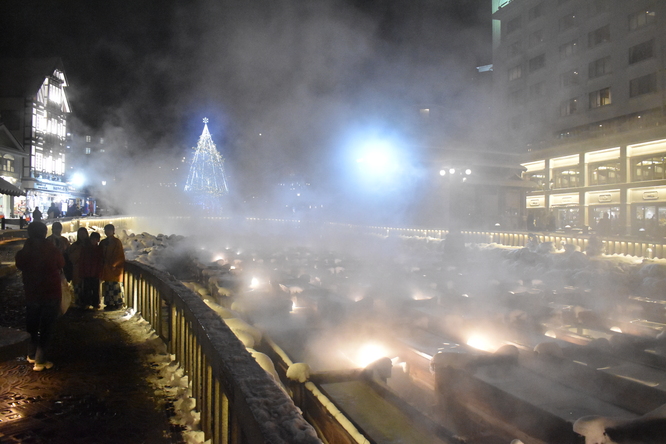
52	212
90	271
112	269
76	254
40	263
36	215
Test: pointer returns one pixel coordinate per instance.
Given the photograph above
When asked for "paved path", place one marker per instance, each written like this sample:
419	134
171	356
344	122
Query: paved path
97	392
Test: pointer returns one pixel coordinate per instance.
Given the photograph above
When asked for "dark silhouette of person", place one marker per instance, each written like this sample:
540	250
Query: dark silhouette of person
90	271
36	215
604	225
40	263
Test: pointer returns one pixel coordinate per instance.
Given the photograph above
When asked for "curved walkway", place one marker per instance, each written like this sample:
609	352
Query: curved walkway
98	390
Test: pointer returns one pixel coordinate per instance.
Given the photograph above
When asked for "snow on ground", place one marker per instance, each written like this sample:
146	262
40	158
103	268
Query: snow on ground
167	378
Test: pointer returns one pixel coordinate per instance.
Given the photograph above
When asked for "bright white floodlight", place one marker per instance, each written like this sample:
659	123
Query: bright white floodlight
378	158
78	180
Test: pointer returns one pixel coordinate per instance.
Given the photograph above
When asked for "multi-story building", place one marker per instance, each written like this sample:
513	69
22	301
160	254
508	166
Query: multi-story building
11	156
34	108
581	85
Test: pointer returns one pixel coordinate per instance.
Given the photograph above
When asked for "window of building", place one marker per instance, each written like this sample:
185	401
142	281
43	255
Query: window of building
651	219
566	177
567	22
642	51
535	12
643	85
570	78
599	67
8	163
515	48
536	38
538	177
598	36
88	138
602	173
537	62
649	168
513	25
87	150
600	98
642	18
516	72
568	107
597	7
537	90
568	49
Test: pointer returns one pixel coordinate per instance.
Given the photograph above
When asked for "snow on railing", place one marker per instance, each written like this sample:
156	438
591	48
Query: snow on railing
238	401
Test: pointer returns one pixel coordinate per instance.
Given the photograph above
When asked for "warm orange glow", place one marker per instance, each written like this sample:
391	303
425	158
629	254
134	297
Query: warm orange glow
254	284
481	343
369	353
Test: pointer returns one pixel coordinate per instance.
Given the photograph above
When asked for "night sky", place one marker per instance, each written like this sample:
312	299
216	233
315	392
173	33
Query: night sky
298	73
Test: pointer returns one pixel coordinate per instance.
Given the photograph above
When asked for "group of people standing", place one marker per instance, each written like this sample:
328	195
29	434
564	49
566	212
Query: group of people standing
46	263
90	260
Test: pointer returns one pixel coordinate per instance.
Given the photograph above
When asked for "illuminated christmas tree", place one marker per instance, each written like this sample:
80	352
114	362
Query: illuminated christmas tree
206	178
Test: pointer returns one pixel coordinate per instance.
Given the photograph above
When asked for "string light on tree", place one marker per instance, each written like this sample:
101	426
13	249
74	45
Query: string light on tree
206	177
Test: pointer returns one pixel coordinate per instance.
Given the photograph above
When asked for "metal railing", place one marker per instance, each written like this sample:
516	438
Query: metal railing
238	401
611	245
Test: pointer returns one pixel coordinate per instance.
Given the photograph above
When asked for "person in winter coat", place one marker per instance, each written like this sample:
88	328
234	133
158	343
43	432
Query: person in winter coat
76	256
112	269
90	270
36	215
40	263
62	244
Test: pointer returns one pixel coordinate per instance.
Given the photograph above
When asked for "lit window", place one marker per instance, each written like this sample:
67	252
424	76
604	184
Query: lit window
88	138
649	168
600	98
604	172
87	150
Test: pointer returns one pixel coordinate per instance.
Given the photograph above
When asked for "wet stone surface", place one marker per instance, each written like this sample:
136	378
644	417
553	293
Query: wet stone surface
97	391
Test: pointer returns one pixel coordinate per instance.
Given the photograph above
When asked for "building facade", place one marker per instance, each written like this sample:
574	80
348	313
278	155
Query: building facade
12	156
34	108
581	85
